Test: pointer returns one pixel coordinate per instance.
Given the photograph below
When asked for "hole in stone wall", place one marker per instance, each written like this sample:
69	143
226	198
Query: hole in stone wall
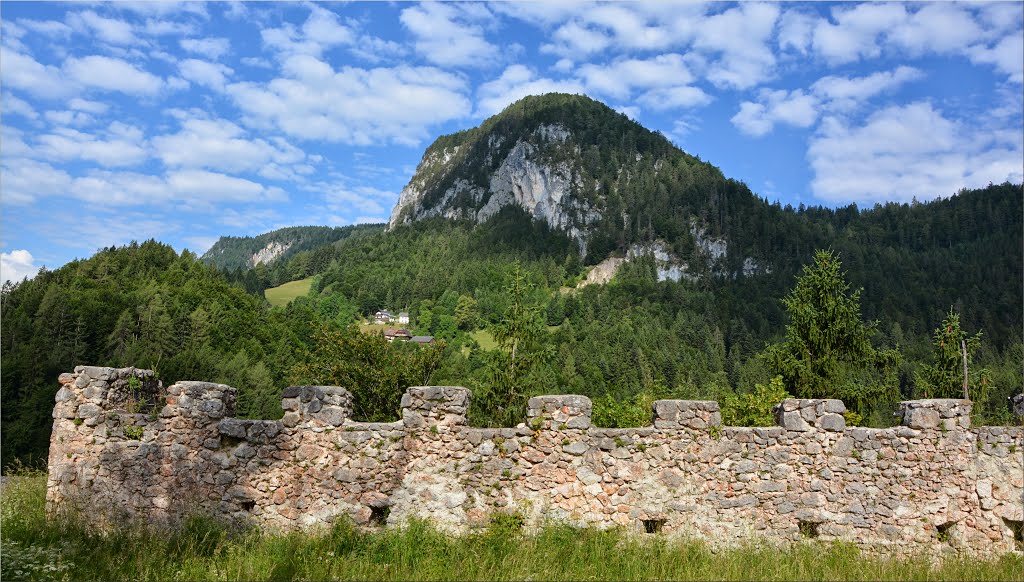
230	441
1017	527
379	515
248	505
808	529
653	525
944	532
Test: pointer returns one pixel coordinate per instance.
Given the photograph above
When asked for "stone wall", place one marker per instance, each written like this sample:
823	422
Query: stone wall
128	449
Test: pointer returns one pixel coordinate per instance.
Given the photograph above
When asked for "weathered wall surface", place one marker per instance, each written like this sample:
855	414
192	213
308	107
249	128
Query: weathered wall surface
933	483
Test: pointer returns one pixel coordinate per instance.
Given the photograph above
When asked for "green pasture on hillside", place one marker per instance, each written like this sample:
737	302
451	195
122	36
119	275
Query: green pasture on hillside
485	338
284	294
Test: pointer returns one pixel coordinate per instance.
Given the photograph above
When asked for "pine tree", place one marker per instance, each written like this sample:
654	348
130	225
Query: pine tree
827	352
944	378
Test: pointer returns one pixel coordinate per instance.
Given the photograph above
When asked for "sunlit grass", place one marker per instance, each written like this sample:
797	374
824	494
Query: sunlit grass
284	294
485	339
201	549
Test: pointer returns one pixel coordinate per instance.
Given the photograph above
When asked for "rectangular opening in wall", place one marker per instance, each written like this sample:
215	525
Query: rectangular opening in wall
248	505
379	515
1017	529
652	526
945	531
808	529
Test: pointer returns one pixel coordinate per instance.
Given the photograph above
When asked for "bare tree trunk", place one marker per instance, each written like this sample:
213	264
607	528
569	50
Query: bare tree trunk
963	352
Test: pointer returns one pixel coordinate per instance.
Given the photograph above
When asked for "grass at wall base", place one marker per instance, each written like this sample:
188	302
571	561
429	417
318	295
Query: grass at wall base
36	549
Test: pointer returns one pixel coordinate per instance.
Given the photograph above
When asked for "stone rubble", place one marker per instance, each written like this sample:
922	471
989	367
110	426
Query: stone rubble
934	483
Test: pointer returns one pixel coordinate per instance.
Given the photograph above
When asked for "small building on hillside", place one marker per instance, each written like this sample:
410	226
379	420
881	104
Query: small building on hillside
403	318
422	339
383	316
397	334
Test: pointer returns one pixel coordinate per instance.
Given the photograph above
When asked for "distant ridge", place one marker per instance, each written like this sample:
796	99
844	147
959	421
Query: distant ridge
245	252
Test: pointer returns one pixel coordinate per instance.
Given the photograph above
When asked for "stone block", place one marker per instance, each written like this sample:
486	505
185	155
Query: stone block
563	411
89	410
232	427
577	448
1017	403
791	420
921	418
927	414
694	414
428	406
290	419
332	415
202	399
832	422
803	414
326	405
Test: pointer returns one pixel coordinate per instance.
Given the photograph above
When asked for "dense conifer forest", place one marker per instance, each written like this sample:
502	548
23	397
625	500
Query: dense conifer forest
501	299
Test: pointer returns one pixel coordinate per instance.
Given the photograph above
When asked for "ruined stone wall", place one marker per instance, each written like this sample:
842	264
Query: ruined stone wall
932	484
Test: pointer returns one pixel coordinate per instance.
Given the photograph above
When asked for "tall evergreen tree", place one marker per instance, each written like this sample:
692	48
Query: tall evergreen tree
827	352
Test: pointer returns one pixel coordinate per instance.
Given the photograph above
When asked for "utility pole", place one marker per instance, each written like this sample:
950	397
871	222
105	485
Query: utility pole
963	352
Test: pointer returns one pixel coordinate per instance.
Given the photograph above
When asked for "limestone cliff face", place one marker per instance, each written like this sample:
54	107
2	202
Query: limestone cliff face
614	187
522	177
267	254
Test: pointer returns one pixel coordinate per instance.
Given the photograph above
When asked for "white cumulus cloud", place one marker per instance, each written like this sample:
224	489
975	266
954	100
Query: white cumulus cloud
451	34
16	265
213	47
905	151
516	82
112	74
353	105
218	144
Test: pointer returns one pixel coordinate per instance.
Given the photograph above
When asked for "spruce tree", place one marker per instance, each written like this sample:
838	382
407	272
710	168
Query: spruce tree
944	378
827	352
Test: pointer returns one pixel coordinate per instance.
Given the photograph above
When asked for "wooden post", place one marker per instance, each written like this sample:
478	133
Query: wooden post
963	352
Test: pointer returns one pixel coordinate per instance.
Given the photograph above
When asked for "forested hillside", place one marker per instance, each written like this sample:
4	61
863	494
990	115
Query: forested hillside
238	253
140	305
636	335
513	280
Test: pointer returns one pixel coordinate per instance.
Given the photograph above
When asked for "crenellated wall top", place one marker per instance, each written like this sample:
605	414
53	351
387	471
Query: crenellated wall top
92	391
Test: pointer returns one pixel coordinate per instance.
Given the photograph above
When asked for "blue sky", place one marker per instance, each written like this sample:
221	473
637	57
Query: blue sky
188	121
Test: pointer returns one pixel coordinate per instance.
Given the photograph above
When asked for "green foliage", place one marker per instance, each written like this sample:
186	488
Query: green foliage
376	372
232	253
754	408
827	352
133	432
521	338
944	377
140	305
633	412
467	312
134	385
506	524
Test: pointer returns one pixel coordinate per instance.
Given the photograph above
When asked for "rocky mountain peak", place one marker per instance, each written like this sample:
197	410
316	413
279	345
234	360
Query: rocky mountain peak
608	183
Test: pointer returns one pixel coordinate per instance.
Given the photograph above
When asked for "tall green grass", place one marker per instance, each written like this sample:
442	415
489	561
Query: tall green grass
201	549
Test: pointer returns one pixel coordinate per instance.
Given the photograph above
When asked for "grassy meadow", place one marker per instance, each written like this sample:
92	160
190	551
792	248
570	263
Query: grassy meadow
36	549
284	294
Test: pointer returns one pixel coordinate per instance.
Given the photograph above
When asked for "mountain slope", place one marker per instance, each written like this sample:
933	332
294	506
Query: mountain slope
245	252
590	171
